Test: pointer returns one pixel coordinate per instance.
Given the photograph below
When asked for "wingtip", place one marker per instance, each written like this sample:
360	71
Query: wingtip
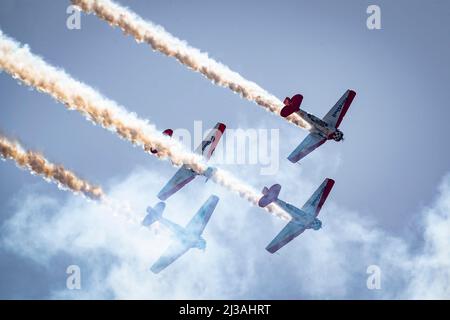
221	127
270	250
154	270
214	198
162	196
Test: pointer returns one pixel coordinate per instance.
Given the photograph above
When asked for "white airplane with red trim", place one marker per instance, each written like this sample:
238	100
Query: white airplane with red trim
302	219
321	129
186	174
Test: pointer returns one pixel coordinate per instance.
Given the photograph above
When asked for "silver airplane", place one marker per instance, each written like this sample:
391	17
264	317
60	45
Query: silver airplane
302	219
321	129
185	238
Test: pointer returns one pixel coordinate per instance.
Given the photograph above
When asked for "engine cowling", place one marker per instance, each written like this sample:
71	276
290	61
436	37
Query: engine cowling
316	224
200	244
338	135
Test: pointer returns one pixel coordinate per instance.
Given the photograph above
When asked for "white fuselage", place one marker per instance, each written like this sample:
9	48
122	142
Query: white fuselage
193	240
318	125
298	216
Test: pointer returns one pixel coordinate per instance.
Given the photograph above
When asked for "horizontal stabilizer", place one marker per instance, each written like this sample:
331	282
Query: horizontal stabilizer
154	214
270	195
291	105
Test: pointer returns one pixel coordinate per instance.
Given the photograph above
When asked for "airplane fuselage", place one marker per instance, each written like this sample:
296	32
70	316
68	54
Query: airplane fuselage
299	216
193	240
320	127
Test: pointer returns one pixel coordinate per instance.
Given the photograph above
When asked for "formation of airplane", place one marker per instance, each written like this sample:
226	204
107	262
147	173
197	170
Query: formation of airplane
322	129
185	174
185	238
301	218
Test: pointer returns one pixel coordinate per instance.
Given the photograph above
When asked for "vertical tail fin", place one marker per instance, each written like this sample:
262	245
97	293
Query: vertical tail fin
154	214
291	105
269	195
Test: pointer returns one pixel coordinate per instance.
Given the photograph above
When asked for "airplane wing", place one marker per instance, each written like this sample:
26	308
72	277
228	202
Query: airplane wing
309	144
183	176
316	201
172	253
209	144
201	218
337	113
287	234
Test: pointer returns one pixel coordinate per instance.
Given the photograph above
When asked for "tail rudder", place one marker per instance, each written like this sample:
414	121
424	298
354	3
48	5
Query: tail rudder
154	214
269	195
291	105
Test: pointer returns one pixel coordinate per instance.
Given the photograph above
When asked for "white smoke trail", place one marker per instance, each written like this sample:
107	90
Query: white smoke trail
246	192
32	70
162	41
36	163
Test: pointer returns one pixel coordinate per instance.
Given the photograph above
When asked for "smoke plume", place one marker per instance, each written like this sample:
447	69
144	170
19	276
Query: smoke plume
36	163
162	41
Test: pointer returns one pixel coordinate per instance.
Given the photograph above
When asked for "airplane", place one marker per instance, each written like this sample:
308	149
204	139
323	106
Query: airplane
186	238
167	132
321	129
185	174
302	219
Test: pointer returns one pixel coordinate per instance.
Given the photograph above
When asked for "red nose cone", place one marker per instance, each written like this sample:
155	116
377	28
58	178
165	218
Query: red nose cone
168	132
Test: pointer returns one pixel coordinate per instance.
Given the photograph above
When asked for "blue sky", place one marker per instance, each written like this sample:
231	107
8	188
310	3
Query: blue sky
391	185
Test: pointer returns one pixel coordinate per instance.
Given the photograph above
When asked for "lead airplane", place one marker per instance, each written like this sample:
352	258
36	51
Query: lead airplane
302	219
185	174
186	238
321	129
